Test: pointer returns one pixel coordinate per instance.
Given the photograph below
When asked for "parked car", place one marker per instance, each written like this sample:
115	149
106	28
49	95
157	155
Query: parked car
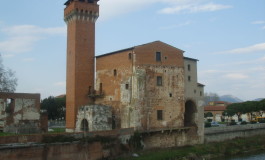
214	124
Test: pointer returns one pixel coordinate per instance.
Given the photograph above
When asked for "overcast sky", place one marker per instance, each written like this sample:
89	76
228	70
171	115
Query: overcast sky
227	36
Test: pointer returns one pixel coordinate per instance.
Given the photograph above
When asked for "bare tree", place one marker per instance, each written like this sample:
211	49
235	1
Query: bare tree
8	80
210	97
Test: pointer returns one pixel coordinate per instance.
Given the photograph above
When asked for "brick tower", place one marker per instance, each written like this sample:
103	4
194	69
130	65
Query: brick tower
80	17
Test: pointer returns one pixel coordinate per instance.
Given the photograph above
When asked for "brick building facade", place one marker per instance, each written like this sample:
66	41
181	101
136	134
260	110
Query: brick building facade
148	87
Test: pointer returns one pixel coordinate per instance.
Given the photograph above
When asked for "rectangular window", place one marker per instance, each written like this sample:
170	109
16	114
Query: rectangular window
158	56
126	86
159	81
189	79
159	114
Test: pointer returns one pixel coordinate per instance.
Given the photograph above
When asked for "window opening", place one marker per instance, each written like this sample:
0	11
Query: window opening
159	81
158	56
159	114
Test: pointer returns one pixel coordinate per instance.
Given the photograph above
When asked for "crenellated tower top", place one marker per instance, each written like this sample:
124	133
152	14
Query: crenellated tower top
84	10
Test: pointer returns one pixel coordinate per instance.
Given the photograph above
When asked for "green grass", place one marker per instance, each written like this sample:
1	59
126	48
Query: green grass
7	134
228	148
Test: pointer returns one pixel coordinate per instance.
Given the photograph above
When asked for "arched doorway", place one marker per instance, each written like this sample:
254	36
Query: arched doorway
189	115
84	125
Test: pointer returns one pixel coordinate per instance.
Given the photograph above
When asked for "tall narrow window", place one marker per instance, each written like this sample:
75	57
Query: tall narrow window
158	56
130	56
188	67
159	81
159	114
189	79
126	86
100	87
115	72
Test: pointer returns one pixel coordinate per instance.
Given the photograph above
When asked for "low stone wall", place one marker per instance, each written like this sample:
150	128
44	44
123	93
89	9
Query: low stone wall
60	151
37	138
170	138
25	147
219	134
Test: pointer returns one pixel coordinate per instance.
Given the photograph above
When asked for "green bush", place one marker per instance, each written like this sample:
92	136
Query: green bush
253	122
262	121
58	138
232	122
244	123
135	142
207	124
209	120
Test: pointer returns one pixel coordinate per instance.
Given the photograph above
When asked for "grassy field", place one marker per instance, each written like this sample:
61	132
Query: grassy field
207	151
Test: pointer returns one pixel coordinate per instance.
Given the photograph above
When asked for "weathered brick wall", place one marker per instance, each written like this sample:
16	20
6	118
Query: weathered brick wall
114	86
137	105
68	151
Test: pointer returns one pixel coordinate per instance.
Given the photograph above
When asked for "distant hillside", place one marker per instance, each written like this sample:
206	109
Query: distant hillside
230	98
258	99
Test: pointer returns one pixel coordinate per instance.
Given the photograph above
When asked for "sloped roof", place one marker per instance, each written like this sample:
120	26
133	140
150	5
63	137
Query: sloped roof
192	59
131	48
214	108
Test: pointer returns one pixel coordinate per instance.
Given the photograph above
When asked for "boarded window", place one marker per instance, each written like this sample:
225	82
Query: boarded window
158	56
159	81
159	114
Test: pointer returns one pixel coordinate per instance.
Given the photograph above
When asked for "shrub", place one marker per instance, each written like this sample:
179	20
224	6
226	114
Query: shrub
209	120
135	141
232	122
244	123
207	124
58	138
253	122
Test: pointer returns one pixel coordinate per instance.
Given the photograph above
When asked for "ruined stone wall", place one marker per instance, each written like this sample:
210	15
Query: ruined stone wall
20	113
99	117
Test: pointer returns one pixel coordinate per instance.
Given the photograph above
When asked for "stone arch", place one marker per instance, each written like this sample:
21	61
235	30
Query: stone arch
189	115
84	125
